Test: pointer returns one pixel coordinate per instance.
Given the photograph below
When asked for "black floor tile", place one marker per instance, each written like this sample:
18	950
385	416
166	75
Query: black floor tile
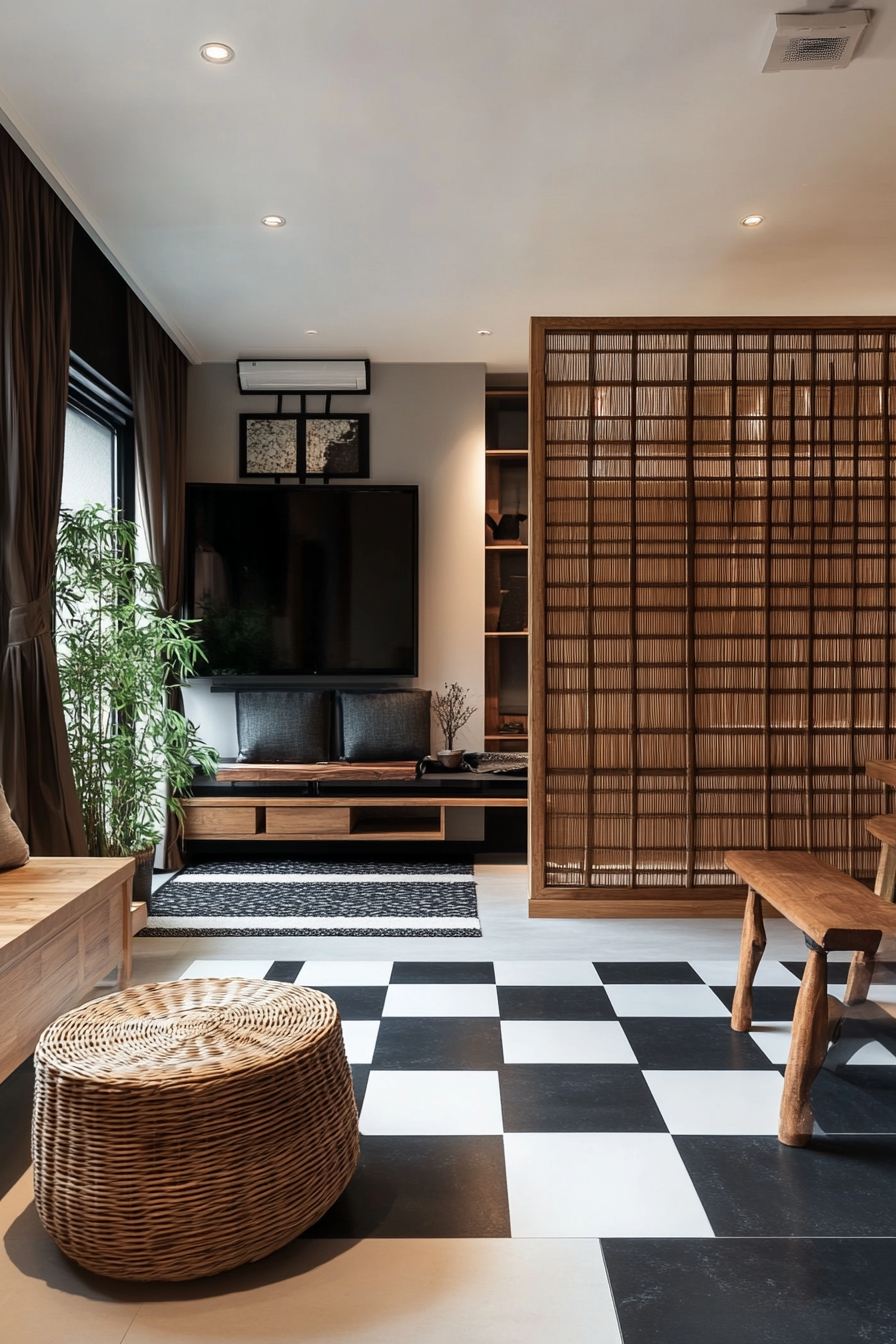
864	1023
771	1003
647	973
692	1043
360	1074
443	973
438	1043
700	1291
754	1186
360	1003
287	971
417	1186
554	1003
856	1099
578	1098
838	971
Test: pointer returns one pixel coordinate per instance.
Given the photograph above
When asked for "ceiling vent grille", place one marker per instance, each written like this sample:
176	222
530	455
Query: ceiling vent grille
816	41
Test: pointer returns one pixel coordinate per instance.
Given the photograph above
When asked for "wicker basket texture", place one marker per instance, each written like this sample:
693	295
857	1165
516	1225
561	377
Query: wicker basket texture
185	1128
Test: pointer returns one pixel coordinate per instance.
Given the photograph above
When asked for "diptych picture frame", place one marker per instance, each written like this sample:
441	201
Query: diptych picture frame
335	445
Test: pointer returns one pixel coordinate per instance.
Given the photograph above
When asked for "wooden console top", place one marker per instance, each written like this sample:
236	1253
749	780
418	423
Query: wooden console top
328	770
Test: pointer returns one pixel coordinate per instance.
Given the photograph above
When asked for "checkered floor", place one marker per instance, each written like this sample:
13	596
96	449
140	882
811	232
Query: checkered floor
590	1099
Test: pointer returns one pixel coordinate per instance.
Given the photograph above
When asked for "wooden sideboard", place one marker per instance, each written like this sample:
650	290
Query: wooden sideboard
64	925
252	817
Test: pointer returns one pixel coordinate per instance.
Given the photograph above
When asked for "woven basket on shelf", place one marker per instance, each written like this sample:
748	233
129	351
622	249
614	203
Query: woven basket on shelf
182	1129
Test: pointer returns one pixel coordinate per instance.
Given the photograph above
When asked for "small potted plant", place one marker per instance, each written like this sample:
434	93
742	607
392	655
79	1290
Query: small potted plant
452	712
119	660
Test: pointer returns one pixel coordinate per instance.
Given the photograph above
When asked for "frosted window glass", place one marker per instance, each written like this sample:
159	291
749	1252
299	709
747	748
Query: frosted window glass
89	460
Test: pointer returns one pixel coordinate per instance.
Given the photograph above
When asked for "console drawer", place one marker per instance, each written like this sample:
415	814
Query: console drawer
220	822
307	822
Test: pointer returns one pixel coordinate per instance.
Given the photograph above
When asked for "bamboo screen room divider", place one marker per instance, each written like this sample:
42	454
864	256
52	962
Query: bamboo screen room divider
712	588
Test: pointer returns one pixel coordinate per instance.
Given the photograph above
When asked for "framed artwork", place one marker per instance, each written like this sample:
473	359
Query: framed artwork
270	445
337	445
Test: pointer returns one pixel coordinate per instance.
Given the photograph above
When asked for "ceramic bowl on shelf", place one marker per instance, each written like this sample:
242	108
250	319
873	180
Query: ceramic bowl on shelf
451	759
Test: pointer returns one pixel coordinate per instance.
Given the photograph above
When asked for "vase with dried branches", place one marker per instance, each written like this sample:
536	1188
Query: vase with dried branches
452	712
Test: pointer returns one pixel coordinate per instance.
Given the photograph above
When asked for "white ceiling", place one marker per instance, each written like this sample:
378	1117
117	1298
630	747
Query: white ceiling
449	166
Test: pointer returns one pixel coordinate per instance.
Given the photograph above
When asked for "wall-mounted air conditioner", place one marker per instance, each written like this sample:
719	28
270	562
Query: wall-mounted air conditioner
350	376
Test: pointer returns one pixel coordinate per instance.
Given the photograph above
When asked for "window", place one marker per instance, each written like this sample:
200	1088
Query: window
98	462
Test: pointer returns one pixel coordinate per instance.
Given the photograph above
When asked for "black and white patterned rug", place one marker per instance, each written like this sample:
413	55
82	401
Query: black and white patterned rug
381	900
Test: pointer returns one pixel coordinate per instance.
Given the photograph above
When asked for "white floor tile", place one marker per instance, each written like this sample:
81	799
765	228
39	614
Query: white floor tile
882	993
873	1052
725	973
666	1001
773	1039
545	973
600	1185
739	1101
360	1041
227	970
324	973
429	1102
441	1001
565	1043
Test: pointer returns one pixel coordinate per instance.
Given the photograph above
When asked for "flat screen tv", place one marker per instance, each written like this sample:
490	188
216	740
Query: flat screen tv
291	579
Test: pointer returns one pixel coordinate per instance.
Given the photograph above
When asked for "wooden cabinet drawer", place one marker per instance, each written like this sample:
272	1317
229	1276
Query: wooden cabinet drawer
220	822
307	822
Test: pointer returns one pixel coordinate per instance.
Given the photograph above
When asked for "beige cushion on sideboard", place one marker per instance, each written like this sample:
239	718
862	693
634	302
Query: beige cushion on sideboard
13	850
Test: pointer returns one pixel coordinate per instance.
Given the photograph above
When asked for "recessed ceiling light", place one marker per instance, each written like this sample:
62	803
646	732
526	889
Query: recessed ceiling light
483	331
311	331
216	52
273	221
752	221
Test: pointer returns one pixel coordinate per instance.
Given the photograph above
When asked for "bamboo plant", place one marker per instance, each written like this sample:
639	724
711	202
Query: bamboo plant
119	660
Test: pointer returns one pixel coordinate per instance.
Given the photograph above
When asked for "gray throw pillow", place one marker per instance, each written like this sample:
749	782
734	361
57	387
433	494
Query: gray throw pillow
385	725
13	850
287	727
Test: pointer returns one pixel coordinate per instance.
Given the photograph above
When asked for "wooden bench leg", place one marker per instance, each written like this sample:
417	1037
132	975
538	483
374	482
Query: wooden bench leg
861	970
752	946
808	1047
124	966
885	882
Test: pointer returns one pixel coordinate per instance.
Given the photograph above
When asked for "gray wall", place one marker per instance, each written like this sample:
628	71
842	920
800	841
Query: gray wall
427	428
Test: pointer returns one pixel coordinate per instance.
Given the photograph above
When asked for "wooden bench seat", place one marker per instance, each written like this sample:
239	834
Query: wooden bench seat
835	914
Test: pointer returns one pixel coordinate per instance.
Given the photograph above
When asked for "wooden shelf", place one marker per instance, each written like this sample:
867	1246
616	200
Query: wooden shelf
506	492
300	818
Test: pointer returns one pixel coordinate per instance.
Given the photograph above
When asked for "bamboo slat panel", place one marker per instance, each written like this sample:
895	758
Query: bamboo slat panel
712	581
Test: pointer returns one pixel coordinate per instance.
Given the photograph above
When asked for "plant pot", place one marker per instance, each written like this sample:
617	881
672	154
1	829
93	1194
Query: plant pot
451	759
142	888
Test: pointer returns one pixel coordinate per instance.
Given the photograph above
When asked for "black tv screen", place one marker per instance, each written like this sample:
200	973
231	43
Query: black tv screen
290	579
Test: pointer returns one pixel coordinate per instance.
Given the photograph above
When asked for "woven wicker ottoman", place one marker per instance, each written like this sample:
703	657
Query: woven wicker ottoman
182	1129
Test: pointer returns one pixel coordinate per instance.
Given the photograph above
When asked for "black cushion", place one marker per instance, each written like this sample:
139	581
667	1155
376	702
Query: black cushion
288	726
384	725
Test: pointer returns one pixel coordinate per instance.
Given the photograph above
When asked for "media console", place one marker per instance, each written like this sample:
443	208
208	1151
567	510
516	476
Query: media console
344	803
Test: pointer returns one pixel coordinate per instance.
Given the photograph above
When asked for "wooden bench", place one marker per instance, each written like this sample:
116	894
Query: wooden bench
64	925
835	914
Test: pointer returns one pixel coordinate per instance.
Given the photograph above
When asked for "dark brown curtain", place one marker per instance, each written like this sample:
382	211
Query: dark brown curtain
35	322
159	394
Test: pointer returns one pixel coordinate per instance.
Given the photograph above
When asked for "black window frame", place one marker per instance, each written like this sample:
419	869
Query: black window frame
94	396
